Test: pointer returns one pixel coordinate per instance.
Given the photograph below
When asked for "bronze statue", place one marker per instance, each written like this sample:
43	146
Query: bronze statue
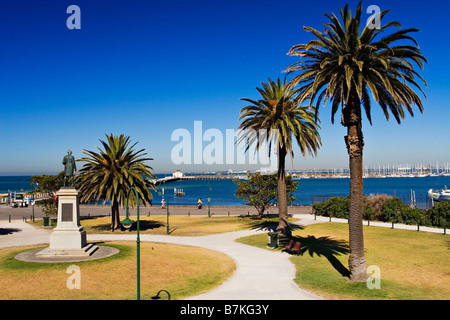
69	167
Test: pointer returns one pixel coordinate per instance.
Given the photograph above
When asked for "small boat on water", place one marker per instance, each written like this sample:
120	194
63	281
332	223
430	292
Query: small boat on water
439	195
179	192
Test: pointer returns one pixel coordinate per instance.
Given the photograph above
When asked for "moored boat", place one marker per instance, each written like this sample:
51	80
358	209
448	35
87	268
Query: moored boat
439	195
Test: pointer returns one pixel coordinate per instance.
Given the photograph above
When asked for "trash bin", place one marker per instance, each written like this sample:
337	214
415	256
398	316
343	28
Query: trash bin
46	221
273	240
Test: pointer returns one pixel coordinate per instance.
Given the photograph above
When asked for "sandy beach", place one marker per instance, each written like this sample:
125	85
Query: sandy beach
92	211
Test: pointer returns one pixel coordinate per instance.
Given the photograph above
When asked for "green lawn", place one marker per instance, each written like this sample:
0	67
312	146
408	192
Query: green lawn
181	270
413	265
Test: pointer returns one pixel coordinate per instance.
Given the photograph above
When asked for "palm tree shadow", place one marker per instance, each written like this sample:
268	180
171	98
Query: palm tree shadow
143	225
146	225
327	247
268	225
6	231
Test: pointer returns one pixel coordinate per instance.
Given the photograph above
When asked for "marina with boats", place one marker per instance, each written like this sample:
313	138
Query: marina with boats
380	171
404	181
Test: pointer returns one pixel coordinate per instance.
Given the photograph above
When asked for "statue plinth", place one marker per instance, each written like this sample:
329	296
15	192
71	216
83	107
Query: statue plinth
69	237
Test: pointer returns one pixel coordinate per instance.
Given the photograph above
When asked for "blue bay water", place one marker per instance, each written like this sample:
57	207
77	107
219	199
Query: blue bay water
221	192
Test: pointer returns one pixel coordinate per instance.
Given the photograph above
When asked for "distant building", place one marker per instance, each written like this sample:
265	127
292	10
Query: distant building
178	174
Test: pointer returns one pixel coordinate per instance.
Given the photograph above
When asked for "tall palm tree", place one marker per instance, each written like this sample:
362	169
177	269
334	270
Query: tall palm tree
110	173
343	65
276	118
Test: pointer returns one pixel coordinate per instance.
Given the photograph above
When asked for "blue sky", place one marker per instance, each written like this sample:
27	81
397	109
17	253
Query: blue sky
147	68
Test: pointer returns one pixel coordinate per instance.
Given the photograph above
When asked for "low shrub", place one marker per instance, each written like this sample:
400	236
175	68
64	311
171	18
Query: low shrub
387	209
373	205
337	207
439	215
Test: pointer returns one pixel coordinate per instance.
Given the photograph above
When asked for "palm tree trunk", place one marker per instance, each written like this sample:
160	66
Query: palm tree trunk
283	228
115	221
355	143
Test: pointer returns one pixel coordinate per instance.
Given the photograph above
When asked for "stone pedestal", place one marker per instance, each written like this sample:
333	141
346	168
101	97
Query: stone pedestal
69	237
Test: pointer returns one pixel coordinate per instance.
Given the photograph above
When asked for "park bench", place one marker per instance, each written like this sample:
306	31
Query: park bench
293	246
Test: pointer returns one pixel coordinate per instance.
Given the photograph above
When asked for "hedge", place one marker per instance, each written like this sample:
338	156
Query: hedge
387	209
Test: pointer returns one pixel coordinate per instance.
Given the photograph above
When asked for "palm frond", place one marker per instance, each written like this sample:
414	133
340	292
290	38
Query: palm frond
343	63
110	172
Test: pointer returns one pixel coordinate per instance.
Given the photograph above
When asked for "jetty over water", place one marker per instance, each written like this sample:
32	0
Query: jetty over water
199	177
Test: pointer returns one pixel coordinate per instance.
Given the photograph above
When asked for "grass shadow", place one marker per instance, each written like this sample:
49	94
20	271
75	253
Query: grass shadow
268	222
146	225
143	225
6	231
327	247
92	217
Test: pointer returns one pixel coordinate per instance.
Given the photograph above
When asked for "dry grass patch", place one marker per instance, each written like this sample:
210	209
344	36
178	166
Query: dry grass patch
182	225
183	271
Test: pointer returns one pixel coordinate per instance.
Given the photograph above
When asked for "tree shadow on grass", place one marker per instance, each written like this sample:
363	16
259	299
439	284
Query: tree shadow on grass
327	247
264	224
146	225
6	231
92	217
143	225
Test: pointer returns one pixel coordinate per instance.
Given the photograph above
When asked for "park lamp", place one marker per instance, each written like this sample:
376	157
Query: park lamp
127	223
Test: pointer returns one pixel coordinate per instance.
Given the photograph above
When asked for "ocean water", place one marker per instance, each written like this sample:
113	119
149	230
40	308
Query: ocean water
221	192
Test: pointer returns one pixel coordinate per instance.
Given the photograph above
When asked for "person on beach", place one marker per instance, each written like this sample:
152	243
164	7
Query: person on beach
199	203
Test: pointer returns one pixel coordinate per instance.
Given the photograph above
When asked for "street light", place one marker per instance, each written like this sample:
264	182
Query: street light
127	223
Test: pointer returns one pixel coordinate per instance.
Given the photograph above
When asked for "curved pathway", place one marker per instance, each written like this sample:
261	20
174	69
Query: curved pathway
260	274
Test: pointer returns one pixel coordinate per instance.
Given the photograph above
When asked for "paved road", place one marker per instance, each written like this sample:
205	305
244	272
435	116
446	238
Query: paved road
89	210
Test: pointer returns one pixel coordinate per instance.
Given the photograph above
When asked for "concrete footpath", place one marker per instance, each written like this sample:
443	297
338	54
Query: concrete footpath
260	274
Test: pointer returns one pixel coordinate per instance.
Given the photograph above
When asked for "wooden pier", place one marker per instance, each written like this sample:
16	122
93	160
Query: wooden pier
200	177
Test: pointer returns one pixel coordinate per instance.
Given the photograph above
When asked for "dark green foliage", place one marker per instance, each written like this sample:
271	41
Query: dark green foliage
48	184
261	191
439	215
387	209
393	210
337	207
